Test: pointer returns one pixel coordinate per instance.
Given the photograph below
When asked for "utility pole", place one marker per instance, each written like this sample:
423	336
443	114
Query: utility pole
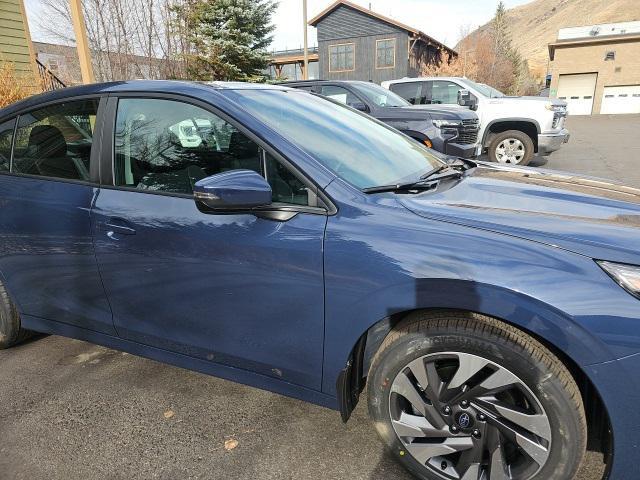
305	73
84	54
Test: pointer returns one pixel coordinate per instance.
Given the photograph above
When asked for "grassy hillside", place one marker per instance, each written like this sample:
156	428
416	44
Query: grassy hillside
534	25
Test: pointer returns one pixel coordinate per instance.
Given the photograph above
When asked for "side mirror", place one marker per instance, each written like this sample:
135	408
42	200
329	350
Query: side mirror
233	190
360	106
466	99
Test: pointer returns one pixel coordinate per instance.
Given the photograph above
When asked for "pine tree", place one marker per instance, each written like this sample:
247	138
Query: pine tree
228	38
507	58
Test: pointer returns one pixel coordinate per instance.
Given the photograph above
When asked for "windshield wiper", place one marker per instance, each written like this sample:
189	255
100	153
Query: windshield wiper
401	187
443	171
422	184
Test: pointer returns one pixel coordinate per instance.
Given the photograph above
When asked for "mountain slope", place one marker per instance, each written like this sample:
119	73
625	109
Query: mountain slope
534	25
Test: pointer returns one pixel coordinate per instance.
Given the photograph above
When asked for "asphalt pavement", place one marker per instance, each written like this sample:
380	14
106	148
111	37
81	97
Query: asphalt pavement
72	410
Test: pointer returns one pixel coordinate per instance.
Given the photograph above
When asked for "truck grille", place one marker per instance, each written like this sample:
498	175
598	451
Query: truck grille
468	134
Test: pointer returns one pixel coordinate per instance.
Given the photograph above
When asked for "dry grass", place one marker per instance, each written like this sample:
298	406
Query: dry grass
13	86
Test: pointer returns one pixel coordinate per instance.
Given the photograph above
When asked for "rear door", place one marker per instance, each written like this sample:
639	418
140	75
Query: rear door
46	193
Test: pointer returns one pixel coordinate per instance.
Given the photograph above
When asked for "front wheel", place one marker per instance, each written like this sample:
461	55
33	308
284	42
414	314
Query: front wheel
465	397
511	147
11	332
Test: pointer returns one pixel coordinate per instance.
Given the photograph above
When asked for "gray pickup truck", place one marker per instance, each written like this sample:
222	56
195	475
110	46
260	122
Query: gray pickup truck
448	129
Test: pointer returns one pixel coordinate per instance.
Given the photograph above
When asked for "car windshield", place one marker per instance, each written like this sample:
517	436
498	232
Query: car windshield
357	148
485	90
380	96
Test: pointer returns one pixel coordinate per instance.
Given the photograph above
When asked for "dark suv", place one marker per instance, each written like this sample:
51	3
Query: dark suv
447	129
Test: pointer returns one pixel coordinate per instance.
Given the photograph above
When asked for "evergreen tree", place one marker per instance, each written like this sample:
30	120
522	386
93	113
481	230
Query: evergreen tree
507	57
228	38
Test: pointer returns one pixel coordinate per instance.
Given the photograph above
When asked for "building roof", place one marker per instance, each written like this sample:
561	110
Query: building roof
593	40
414	31
599	30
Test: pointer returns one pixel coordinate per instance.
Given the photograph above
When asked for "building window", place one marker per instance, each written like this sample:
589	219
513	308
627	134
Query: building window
610	55
386	53
341	57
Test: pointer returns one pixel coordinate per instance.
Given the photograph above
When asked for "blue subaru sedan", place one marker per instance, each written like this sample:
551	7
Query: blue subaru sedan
489	315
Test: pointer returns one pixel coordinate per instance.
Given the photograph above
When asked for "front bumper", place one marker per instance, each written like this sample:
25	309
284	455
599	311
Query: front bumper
619	387
461	150
550	142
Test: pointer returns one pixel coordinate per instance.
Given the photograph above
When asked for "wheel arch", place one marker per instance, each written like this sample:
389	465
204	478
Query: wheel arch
527	125
535	323
416	135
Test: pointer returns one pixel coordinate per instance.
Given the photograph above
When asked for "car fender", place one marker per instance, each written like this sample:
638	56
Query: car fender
428	264
542	321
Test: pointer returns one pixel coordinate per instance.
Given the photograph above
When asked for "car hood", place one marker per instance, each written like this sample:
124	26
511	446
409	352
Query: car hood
444	111
542	100
589	216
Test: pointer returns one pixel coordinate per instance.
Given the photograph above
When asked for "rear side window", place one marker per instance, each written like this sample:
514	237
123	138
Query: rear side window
410	91
6	137
55	141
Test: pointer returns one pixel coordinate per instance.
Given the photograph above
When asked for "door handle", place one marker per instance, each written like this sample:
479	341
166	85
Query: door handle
117	225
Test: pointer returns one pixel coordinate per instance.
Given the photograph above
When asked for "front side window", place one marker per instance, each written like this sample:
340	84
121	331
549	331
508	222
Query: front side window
340	94
6	138
55	141
410	91
358	149
386	53
167	146
379	96
341	57
445	93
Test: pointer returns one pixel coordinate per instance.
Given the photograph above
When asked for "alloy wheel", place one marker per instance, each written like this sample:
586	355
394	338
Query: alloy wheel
465	417
510	150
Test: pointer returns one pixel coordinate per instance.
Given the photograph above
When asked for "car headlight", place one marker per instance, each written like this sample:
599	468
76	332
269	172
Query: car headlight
627	276
555	108
447	123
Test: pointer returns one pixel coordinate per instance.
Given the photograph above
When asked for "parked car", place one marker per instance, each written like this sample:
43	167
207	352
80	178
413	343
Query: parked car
449	130
492	312
512	129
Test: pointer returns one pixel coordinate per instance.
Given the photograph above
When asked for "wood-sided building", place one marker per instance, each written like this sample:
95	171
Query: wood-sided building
15	41
355	43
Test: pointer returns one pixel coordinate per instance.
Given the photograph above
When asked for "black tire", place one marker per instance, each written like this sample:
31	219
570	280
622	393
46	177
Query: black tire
522	137
10	331
474	335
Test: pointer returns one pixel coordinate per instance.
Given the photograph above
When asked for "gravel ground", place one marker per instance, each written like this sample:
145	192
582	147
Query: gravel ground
72	410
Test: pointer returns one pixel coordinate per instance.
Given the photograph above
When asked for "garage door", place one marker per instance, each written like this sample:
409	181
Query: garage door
577	90
621	99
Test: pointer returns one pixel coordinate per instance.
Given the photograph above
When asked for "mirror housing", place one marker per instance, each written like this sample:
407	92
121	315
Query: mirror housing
466	99
360	107
233	190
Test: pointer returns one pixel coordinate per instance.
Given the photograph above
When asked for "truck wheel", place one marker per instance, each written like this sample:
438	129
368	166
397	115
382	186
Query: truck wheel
10	331
464	396
513	147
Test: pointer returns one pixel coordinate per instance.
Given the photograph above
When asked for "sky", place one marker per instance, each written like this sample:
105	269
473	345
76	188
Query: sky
441	19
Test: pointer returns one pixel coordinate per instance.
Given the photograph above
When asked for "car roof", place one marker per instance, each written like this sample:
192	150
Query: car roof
419	79
322	82
129	86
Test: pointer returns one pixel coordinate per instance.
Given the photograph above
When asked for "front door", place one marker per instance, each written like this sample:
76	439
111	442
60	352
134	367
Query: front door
46	191
233	289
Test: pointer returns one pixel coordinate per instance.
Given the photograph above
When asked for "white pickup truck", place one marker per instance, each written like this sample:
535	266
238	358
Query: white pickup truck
512	129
